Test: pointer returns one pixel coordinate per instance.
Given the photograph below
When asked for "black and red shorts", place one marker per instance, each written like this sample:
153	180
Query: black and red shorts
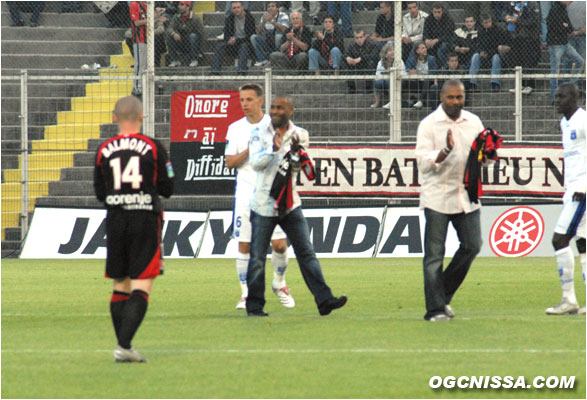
133	241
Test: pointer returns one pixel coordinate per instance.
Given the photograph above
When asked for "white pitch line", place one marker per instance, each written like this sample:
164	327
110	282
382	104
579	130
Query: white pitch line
306	351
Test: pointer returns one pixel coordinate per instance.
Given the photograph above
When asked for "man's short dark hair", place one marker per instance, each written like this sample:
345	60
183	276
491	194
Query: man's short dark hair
452	83
359	31
485	17
453	54
437	5
571	87
252	86
412	2
328	17
469	16
387	3
269	2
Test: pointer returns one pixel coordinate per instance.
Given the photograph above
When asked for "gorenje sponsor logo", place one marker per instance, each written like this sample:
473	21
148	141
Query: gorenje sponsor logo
136	201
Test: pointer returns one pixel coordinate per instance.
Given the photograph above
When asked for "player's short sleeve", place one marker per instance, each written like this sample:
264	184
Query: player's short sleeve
231	142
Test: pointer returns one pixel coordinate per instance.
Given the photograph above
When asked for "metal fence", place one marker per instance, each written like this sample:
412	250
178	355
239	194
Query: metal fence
53	121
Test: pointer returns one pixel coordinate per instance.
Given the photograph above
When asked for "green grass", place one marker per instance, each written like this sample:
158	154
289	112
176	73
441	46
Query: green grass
57	338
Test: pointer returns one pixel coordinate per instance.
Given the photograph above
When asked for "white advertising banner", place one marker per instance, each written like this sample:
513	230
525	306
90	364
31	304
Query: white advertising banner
392	170
507	231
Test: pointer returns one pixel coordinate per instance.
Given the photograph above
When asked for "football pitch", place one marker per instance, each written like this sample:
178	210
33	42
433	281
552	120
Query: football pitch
57	338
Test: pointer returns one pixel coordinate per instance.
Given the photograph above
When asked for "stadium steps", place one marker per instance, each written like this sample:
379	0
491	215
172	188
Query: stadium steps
60	122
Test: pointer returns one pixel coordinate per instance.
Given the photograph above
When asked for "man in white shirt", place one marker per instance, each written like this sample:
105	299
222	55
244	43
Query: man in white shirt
237	156
443	143
274	152
571	222
270	31
412	27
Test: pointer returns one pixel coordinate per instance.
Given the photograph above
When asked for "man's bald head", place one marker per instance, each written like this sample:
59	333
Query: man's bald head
452	83
570	88
128	109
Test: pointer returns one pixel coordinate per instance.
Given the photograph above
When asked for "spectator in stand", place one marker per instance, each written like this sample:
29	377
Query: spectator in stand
465	41
185	35
453	67
360	58
559	28
326	51
381	85
34	7
341	10
384	25
476	8
138	17
293	52
412	27
545	7
160	34
523	24
420	63
576	12
269	33
494	42
238	29
438	32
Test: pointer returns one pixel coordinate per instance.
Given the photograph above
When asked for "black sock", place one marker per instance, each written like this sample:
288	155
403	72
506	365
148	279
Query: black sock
117	303
134	312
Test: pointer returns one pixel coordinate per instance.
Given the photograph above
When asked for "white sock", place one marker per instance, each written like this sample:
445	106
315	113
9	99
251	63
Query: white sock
566	269
242	265
582	260
279	261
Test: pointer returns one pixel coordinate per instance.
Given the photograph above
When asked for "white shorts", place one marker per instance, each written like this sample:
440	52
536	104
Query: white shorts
241	223
572	219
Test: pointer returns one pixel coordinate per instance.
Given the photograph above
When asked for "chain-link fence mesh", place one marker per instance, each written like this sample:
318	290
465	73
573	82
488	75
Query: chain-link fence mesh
80	58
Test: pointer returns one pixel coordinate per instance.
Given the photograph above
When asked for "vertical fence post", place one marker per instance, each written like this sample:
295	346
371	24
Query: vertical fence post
24	139
148	76
396	94
518	108
268	89
391	103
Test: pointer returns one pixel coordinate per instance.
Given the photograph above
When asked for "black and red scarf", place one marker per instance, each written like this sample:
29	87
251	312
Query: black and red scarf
282	187
484	148
293	48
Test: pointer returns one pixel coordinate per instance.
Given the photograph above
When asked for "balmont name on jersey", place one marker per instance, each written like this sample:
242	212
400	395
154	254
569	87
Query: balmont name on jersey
133	144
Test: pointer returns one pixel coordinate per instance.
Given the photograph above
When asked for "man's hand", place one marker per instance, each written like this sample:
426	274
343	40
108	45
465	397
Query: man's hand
483	54
320	35
502	49
231	41
176	37
450	142
295	143
267	17
406	40
290	35
578	196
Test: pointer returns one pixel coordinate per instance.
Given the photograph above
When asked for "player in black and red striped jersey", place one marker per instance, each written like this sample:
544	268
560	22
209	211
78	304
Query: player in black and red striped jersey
131	171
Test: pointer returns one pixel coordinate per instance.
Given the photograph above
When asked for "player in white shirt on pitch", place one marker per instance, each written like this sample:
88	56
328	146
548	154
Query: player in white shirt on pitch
237	156
571	222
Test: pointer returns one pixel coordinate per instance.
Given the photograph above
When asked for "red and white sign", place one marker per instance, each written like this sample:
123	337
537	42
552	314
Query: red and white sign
516	232
203	115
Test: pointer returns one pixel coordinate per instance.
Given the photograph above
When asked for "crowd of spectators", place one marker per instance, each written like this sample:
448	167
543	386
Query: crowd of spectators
492	36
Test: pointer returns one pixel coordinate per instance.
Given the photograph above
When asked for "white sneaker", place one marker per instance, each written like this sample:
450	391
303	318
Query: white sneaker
220	37
527	90
564	307
284	297
581	311
128	355
374	105
173	64
194	63
418	104
242	304
261	63
387	106
439	318
449	311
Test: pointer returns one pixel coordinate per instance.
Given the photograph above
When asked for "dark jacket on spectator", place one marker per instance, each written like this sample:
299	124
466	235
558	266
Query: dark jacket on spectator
250	27
528	24
383	27
411	63
193	24
465	38
369	53
330	41
490	39
442	29
557	34
305	36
